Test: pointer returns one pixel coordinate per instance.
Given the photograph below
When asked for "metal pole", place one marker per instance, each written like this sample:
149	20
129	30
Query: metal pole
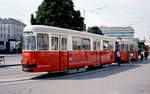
84	19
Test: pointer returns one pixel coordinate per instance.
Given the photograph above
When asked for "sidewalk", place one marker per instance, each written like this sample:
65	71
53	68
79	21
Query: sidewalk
10	55
11	60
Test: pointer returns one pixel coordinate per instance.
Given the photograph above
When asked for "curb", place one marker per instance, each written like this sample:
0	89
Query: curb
10	65
15	55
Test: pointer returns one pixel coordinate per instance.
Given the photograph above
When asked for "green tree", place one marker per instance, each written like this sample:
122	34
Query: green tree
33	20
95	30
59	13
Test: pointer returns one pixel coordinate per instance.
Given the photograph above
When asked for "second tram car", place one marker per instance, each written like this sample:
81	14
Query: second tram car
125	48
50	49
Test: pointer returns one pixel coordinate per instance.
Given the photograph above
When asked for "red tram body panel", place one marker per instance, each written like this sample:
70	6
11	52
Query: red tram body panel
107	57
41	61
64	55
79	59
124	56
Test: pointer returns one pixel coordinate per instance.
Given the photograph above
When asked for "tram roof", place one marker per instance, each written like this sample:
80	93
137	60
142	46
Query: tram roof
57	30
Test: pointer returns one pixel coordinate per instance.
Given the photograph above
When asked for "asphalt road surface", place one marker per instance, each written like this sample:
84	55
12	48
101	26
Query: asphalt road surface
124	79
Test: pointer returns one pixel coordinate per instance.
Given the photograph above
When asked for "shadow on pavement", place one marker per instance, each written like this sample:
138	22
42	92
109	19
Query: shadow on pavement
143	61
97	73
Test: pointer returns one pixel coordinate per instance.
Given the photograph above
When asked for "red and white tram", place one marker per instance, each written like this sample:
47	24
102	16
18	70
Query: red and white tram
54	49
50	49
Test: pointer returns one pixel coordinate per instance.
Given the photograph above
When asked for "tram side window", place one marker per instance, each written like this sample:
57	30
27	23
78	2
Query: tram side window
108	46
136	47
86	44
63	43
29	43
76	43
96	45
42	41
122	47
131	47
54	41
111	46
126	47
119	47
105	46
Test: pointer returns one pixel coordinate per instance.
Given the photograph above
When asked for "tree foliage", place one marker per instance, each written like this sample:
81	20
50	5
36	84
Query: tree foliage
33	20
95	30
59	13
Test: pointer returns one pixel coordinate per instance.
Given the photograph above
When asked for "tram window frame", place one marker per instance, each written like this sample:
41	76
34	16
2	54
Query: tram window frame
63	44
86	44
42	41
76	43
55	43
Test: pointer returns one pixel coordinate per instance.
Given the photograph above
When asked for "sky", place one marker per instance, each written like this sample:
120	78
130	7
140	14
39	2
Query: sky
134	13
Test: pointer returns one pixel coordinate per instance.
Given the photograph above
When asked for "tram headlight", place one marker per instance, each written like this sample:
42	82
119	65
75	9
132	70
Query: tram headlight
26	61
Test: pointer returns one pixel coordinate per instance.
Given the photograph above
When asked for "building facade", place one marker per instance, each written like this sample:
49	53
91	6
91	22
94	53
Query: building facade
11	31
118	32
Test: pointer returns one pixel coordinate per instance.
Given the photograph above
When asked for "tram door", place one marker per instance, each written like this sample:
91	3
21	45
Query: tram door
63	52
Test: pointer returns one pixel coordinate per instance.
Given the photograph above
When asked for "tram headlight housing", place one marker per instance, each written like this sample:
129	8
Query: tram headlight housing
26	61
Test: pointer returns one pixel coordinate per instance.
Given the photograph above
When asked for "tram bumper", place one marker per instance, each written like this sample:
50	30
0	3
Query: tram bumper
29	67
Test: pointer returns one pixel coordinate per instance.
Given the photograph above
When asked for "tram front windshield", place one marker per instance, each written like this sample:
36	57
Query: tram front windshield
29	43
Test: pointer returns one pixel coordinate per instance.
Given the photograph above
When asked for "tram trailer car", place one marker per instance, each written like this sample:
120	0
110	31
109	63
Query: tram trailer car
52	49
125	48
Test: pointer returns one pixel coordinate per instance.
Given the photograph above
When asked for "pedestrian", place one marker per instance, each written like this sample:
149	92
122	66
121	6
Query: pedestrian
142	55
117	55
131	61
145	55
